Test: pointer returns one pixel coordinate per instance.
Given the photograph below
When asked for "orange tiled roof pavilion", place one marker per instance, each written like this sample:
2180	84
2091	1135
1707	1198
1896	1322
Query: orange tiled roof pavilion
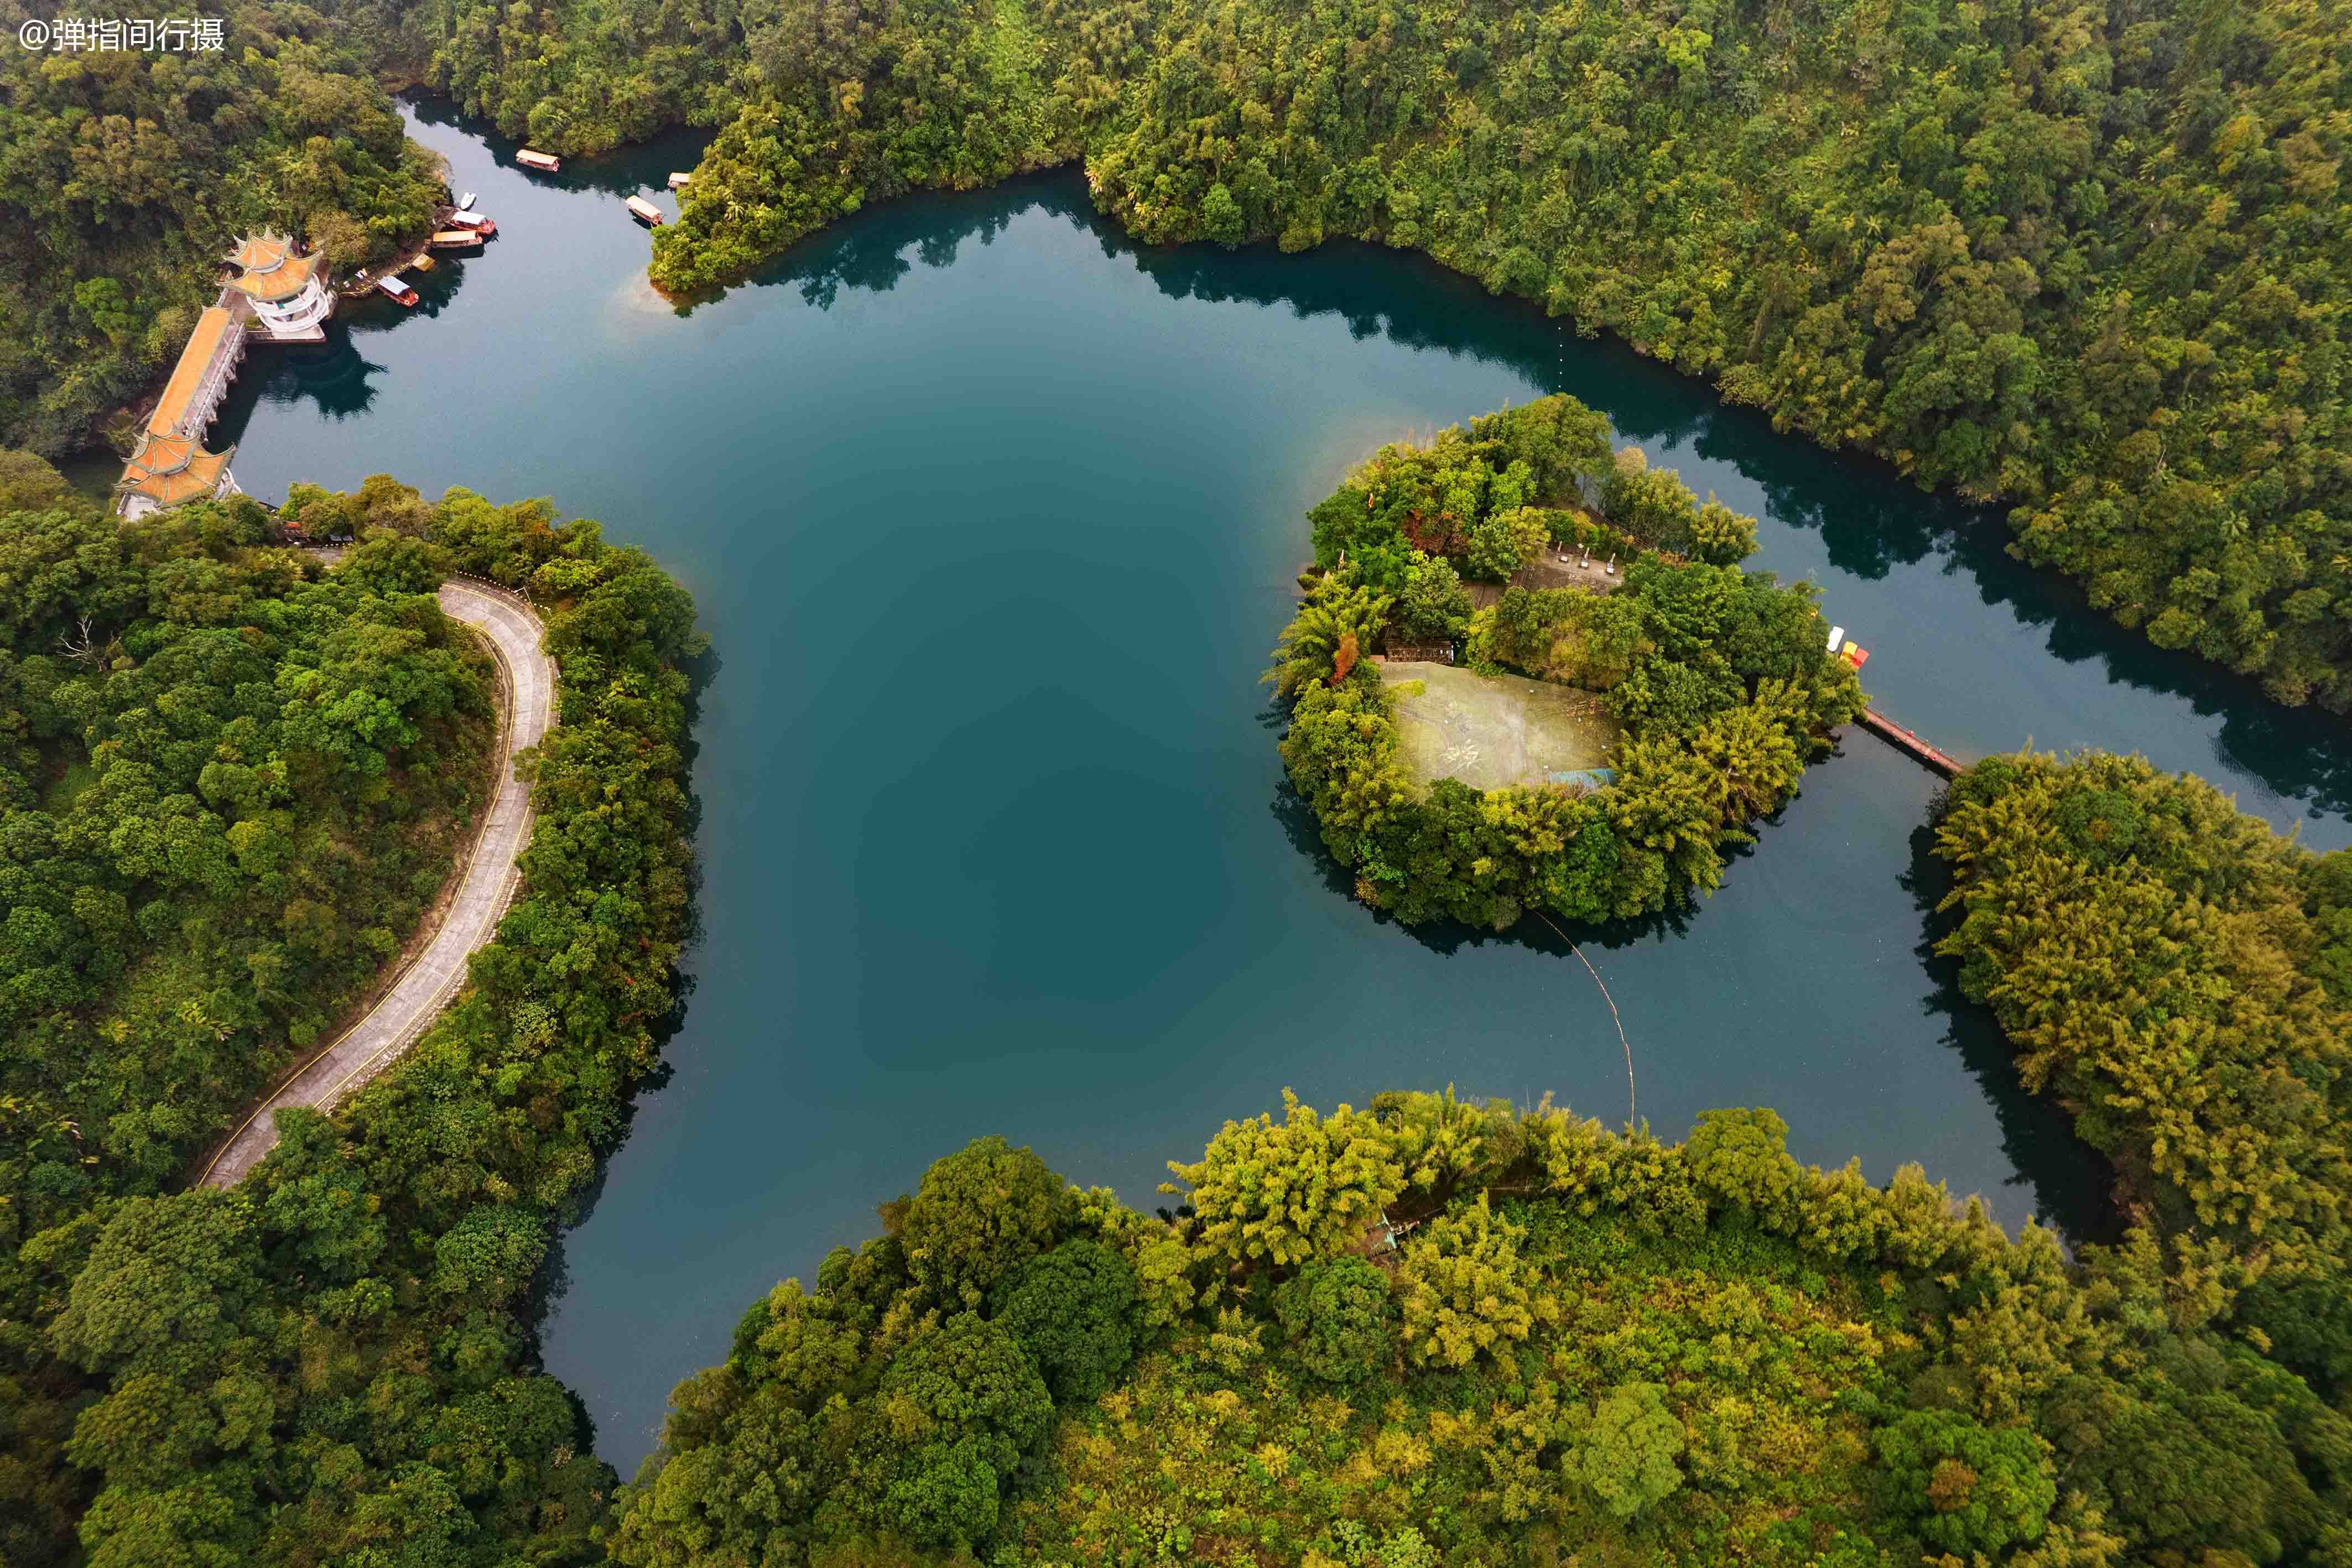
268	268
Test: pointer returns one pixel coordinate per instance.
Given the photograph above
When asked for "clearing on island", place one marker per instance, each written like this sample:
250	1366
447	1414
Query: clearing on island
1490	731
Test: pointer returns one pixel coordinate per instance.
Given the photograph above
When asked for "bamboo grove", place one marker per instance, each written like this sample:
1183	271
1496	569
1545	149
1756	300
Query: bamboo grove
1434	1332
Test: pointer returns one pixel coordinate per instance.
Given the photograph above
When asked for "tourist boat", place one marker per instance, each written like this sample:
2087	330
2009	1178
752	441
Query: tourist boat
455	239
544	162
466	203
644	211
677	182
391	284
478	221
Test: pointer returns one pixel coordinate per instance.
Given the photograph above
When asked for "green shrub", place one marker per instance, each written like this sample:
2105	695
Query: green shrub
1966	1489
1075	1311
1340	1319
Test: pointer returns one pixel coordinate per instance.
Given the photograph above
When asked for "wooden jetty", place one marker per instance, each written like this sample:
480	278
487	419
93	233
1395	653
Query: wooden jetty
1906	741
362	282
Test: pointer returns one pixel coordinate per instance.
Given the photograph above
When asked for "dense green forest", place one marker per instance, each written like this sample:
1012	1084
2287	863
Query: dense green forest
2180	978
1434	1332
576	77
1721	678
2083	257
217	786
230	785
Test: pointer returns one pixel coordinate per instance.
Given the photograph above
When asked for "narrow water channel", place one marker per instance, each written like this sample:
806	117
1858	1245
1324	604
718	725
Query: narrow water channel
992	515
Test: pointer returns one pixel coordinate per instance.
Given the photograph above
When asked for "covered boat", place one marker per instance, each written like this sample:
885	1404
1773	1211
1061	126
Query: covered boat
677	182
644	211
478	221
455	239
391	284
545	163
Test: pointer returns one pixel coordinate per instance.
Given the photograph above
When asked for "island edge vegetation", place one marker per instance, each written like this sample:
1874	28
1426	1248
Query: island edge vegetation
1434	1332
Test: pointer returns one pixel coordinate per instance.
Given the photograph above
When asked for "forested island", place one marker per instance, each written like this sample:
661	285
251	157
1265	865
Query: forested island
1722	680
2087	261
229	780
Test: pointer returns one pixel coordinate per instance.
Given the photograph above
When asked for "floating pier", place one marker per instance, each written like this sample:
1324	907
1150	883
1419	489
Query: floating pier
1909	743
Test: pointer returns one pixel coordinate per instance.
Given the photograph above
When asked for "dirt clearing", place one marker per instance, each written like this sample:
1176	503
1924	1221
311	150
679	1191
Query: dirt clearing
1489	731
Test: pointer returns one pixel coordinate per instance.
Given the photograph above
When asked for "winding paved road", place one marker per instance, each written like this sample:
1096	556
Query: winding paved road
472	918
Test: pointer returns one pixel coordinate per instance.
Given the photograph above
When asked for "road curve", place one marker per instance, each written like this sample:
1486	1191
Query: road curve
486	887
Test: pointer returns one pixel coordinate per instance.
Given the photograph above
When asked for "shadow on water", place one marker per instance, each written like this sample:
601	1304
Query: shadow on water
553	1279
2071	1186
642	168
333	376
2074	1186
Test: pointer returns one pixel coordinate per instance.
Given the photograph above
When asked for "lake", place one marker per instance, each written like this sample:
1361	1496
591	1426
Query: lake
992	516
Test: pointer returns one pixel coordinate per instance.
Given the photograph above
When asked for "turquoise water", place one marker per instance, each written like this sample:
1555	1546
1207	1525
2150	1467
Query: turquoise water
992	517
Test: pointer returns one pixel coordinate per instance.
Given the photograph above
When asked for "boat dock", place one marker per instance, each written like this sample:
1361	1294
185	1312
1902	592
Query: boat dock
1909	743
454	228
364	281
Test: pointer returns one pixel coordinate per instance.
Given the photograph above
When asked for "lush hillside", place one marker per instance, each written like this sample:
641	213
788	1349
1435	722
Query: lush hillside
1721	678
1584	1348
2180	978
125	176
231	784
201	834
569	77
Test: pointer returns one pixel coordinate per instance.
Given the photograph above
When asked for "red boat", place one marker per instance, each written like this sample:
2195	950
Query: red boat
399	290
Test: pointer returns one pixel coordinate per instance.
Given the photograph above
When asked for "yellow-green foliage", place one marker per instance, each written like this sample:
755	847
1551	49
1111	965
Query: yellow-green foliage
1306	1188
1466	1289
1261	1466
1622	1352
2158	961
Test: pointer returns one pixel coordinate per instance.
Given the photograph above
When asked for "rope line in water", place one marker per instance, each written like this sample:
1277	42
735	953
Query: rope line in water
1605	996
